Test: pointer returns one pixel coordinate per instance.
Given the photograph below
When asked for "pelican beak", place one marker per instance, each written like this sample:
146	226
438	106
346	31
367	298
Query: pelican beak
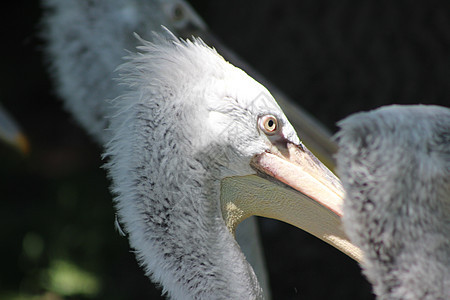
11	134
293	186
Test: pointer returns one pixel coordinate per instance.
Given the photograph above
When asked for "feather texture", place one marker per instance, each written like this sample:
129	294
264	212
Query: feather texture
394	163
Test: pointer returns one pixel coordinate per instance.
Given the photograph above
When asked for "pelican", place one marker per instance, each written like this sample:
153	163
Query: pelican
394	163
198	146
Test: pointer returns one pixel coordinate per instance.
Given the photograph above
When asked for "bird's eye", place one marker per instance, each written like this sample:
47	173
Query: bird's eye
268	124
177	13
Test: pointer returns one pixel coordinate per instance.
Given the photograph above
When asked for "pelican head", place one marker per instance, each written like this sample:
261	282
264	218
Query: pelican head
199	146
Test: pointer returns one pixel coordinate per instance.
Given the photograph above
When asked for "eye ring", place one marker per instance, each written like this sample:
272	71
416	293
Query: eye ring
269	124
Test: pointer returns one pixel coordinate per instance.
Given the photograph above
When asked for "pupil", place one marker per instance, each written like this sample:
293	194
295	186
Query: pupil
270	123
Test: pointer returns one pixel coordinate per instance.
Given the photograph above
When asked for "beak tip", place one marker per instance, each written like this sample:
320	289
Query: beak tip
22	143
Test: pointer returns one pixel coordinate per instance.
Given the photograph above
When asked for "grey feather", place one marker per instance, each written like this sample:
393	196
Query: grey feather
394	163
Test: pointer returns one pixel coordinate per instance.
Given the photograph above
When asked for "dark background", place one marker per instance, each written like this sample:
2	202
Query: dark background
333	57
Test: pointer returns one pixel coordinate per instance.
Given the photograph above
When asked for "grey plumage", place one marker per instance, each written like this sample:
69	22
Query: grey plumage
167	176
394	163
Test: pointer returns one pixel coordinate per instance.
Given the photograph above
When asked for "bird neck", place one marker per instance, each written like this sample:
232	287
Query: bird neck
169	204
